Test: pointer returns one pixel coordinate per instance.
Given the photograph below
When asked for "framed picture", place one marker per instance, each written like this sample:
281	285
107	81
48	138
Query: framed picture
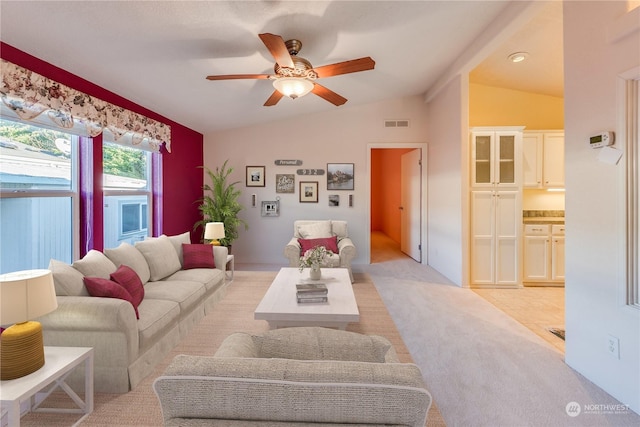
334	200
308	191
271	208
255	176
285	183
340	176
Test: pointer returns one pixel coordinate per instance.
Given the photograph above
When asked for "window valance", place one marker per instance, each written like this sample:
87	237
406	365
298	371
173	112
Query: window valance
28	95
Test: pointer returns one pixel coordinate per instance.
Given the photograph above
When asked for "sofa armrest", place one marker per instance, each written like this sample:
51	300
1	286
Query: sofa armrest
220	257
108	324
298	391
292	252
239	344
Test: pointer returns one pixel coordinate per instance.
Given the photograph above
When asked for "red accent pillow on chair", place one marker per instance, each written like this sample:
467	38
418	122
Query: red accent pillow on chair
329	243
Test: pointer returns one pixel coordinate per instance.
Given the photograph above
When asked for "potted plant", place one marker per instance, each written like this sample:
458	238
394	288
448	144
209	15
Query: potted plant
220	203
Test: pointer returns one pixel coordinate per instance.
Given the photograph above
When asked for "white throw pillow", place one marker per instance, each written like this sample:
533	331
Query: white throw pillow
177	242
95	264
160	255
131	257
67	280
315	230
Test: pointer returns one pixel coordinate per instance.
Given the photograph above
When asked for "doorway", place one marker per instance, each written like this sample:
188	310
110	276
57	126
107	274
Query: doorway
397	200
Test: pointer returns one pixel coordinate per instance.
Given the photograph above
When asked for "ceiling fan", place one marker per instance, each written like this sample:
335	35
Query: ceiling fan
295	76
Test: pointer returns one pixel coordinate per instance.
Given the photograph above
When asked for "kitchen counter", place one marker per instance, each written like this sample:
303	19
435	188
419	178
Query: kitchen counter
553	217
554	220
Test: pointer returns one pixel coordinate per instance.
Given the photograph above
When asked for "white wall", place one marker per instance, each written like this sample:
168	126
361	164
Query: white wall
447	172
338	136
595	281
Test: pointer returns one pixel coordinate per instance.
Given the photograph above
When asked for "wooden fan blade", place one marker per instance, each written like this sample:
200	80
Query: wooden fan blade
239	76
346	67
278	49
273	99
328	95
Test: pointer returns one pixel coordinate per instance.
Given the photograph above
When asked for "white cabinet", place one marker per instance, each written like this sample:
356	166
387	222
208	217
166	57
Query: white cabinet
496	205
543	253
543	159
496	157
557	253
495	224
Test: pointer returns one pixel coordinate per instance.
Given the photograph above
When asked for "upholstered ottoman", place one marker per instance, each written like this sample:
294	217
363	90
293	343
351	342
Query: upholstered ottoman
295	376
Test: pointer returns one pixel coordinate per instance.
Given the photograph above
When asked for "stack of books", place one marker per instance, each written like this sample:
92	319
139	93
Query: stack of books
311	292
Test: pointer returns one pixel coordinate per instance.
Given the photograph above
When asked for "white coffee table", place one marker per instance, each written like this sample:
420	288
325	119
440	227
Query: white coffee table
280	308
59	362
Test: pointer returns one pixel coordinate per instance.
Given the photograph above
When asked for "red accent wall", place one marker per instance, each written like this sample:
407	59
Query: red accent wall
181	177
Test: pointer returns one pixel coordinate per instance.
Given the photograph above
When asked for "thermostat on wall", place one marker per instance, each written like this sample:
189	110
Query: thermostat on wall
601	140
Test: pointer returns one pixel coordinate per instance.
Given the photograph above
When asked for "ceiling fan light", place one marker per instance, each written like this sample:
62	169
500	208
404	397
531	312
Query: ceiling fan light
293	87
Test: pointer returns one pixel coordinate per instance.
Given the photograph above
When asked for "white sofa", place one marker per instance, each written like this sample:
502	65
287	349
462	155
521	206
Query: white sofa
322	229
127	348
305	376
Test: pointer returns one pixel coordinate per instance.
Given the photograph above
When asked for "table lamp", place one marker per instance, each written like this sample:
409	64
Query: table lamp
214	231
24	295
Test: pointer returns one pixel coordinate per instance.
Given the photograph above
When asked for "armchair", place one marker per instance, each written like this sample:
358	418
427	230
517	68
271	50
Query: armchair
319	229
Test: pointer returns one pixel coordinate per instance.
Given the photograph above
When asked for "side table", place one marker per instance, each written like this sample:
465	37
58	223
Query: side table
230	262
59	362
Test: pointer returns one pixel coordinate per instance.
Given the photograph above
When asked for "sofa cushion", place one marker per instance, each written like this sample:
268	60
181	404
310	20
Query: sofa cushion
314	230
178	240
187	294
157	317
160	255
310	343
126	277
67	280
211	278
129	255
95	264
197	255
99	287
330	243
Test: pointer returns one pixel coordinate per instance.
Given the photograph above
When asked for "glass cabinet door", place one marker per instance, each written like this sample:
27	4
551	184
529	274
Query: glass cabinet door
507	159
482	159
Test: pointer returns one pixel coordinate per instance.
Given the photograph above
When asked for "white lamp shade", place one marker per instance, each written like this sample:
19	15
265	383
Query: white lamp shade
26	295
293	87
214	231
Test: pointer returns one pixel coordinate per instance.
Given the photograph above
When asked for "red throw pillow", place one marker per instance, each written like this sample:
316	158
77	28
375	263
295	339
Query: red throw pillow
99	287
197	255
329	243
126	277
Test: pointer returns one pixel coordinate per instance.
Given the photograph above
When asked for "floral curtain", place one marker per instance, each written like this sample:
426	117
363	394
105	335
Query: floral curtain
29	95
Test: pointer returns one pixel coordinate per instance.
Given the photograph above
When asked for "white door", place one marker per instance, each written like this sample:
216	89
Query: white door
410	202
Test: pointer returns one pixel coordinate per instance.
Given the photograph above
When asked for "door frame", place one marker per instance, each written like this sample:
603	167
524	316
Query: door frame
424	199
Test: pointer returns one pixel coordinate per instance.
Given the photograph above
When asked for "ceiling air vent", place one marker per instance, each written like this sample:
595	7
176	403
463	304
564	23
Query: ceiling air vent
396	123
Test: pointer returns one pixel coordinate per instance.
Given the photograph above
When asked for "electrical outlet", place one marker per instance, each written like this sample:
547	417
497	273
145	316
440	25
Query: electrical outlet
613	346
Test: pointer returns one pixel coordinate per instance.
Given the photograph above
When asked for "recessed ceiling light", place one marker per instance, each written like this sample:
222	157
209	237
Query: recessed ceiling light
518	56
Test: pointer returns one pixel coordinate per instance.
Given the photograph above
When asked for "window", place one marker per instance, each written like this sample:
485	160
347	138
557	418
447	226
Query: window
127	194
38	196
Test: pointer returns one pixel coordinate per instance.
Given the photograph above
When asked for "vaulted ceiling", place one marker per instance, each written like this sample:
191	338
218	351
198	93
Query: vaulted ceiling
158	53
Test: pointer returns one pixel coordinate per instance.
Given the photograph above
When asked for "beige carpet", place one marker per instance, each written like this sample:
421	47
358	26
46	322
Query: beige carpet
140	407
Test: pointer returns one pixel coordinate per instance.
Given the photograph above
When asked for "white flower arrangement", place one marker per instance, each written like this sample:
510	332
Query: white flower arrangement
314	257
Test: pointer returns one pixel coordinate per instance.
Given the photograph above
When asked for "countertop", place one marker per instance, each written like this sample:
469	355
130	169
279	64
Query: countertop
554	220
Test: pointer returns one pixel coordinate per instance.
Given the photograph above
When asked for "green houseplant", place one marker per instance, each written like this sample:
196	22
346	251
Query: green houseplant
220	203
